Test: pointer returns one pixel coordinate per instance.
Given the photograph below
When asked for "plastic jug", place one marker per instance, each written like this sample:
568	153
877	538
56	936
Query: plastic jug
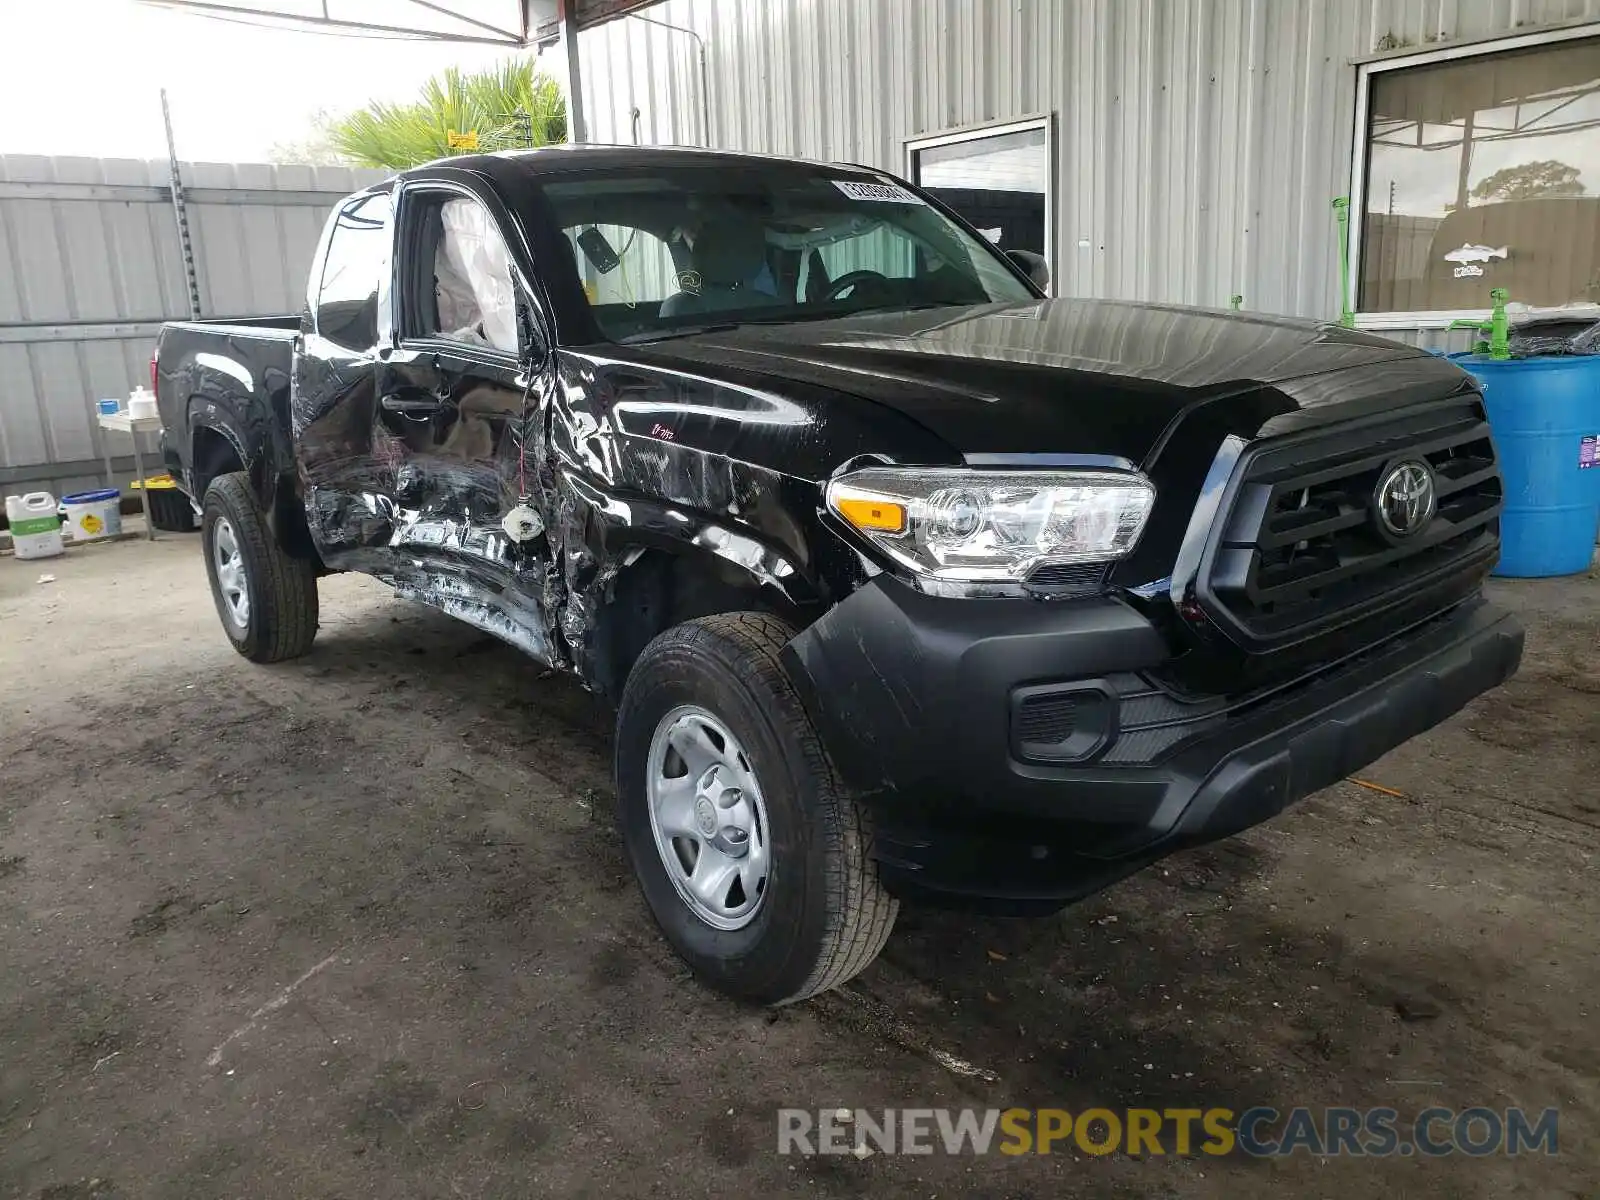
35	525
142	403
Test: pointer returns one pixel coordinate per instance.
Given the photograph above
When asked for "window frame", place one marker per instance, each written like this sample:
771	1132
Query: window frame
422	193
1402	60
989	129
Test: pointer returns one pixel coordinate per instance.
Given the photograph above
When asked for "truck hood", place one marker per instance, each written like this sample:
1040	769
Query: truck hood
1068	376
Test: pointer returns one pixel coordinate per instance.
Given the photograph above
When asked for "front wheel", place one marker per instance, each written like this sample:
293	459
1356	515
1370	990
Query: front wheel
266	598
754	860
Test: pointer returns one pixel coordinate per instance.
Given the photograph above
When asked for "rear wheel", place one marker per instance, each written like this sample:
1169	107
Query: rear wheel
267	600
754	860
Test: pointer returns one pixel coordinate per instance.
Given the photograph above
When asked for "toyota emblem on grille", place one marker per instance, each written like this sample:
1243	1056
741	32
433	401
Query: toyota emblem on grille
1405	500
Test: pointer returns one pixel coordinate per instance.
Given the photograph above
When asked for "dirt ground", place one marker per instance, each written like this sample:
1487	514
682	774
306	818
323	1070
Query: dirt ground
359	926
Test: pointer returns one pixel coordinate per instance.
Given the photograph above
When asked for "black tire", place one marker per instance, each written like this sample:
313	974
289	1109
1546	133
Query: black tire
824	914
281	621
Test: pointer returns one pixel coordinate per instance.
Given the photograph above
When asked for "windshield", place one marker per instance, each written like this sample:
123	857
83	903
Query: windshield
661	252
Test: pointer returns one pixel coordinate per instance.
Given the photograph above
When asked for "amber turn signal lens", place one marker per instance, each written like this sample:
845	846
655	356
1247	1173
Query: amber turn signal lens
879	516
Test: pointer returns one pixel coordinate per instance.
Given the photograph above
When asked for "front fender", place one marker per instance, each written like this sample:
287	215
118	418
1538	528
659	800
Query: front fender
740	555
643	459
597	536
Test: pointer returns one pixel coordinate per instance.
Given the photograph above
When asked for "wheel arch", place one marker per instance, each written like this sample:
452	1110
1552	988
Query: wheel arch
663	583
215	448
218	447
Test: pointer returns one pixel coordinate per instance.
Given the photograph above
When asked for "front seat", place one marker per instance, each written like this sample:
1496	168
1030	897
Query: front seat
728	256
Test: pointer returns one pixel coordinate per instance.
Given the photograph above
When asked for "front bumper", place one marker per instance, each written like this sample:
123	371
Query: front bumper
915	697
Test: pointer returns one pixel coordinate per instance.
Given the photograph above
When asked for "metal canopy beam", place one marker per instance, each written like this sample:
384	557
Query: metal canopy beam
473	21
520	27
526	24
291	17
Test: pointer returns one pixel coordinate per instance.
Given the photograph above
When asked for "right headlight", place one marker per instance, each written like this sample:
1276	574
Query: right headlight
956	524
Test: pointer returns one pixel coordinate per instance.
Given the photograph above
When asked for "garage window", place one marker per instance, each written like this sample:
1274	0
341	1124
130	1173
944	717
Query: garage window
995	176
1481	170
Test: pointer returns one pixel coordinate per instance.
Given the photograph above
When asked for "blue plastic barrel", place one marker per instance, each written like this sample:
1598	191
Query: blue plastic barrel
1545	415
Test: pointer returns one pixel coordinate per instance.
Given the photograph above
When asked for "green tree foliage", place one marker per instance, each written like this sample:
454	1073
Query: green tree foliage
1546	177
508	106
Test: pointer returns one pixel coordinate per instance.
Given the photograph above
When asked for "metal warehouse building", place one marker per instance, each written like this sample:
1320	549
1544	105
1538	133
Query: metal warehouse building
1185	151
1172	150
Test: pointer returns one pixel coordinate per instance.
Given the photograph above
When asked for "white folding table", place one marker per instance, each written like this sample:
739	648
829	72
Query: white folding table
132	426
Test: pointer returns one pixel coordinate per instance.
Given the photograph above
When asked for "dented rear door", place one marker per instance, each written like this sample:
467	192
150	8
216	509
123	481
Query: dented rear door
333	396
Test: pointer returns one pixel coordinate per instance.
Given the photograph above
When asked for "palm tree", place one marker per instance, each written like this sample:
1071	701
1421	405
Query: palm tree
508	106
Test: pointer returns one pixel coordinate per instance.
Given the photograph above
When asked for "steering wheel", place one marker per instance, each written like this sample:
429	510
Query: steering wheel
854	279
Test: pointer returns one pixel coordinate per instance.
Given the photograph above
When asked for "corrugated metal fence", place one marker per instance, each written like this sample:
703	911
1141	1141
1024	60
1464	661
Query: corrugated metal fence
1199	142
90	267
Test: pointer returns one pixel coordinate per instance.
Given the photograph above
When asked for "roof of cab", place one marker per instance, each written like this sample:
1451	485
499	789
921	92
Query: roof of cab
560	159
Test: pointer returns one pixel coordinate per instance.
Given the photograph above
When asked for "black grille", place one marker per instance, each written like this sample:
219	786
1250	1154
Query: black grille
1046	720
1302	547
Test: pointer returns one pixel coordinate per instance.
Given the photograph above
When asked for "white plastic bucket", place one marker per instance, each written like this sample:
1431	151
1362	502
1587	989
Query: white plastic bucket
35	525
93	516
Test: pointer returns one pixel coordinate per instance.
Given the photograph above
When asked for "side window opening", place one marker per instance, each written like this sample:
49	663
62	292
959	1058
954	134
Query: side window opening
355	265
465	290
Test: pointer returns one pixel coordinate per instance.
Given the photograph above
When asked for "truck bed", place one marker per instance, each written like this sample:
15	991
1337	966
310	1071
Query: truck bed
271	326
222	389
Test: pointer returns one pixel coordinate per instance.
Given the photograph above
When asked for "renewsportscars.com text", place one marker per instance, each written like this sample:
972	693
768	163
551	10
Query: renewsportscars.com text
1260	1132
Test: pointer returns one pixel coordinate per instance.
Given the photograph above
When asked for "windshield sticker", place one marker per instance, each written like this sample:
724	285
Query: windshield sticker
891	193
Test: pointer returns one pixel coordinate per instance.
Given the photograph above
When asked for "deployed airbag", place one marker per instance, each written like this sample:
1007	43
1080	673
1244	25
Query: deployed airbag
477	302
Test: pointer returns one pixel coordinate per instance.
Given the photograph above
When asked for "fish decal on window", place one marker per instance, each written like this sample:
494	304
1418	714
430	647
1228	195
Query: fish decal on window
1471	255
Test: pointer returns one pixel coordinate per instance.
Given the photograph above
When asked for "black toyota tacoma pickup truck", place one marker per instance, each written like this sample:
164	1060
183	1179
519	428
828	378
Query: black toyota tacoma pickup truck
902	578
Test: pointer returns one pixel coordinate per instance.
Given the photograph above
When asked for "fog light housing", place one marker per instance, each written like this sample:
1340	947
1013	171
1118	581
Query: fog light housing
1060	722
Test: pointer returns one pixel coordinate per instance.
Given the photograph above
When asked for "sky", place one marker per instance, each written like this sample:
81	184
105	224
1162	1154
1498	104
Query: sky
84	76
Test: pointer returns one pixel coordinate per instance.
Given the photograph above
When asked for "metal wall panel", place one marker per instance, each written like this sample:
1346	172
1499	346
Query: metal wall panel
90	266
1199	142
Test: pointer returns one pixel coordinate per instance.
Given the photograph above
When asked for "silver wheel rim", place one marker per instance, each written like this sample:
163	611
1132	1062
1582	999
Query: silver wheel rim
709	821
233	585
